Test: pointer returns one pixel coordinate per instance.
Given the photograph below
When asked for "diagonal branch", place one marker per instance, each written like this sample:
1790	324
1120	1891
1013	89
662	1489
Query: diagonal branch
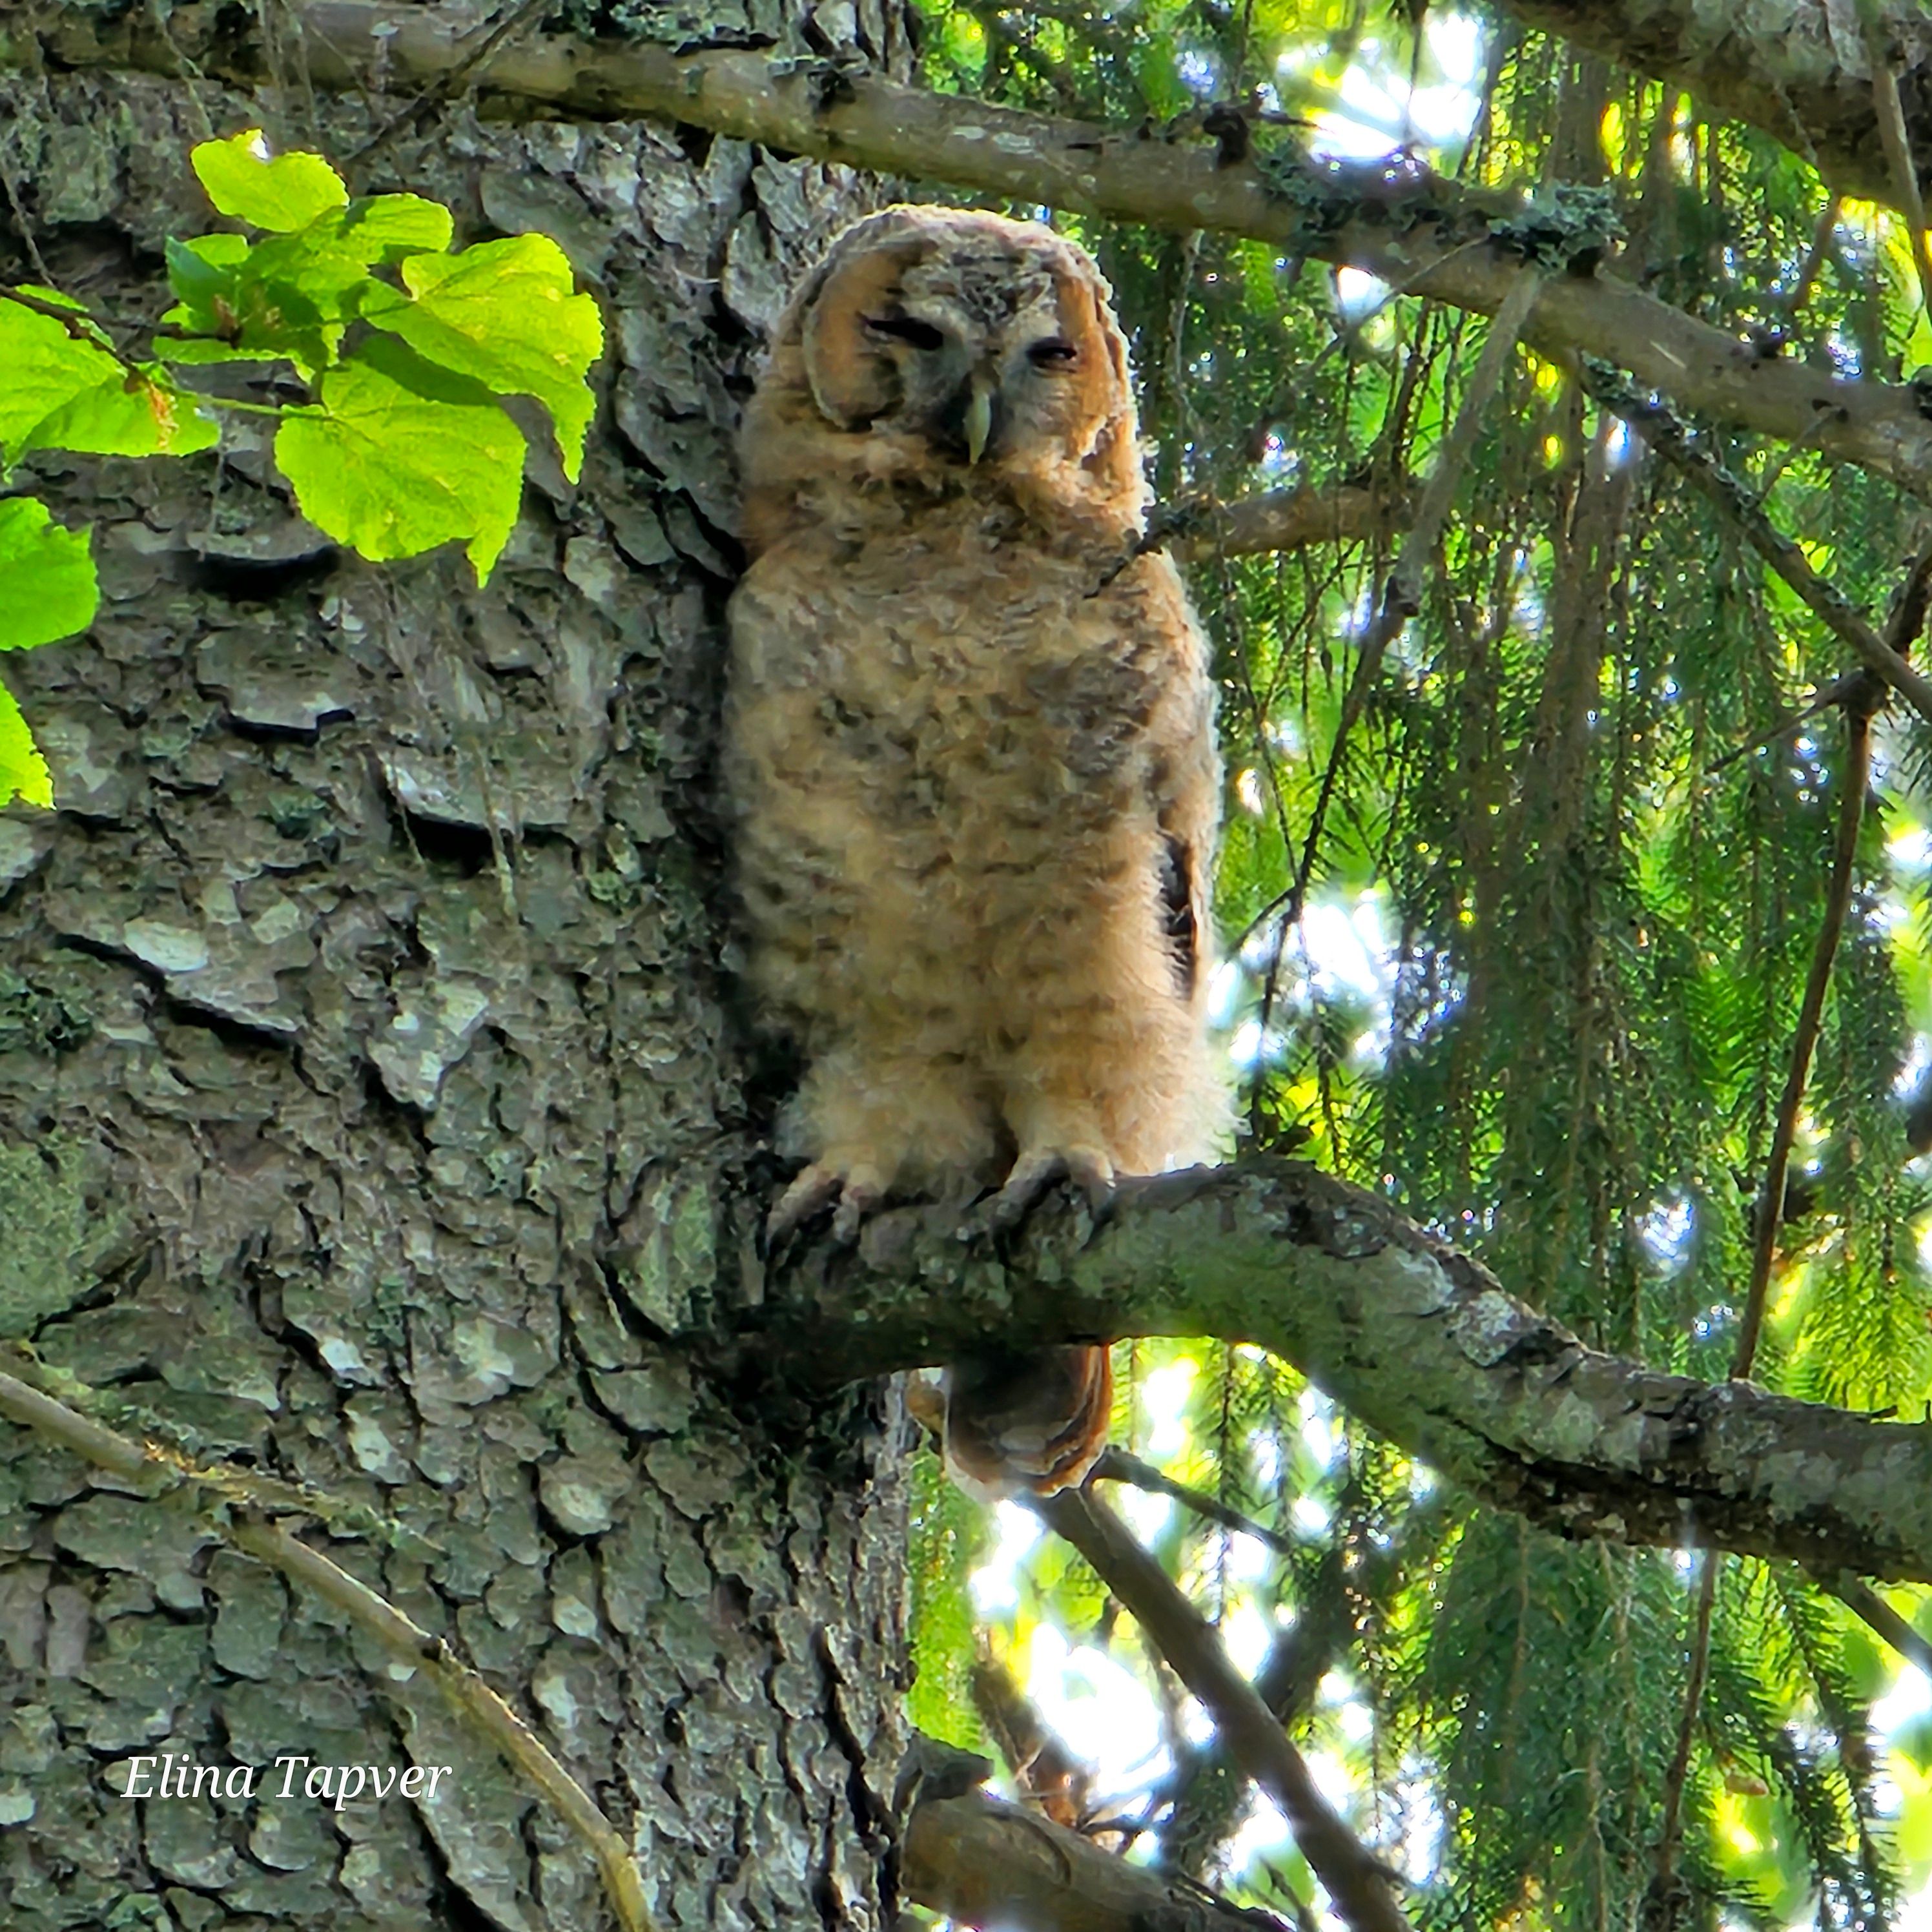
1357	1886
1121	1465
1399	224
1402	596
1660	429
1854	778
1418	1340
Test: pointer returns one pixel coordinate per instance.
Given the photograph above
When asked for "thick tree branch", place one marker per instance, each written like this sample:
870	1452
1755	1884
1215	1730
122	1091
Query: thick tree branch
1414	1338
1800	73
1412	231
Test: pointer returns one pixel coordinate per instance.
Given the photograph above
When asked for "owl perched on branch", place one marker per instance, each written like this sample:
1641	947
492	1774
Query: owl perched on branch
970	749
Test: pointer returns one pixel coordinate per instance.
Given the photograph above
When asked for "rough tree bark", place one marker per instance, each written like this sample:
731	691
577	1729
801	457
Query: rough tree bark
370	1110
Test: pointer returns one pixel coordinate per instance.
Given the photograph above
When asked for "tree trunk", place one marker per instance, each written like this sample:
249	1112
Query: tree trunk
372	1114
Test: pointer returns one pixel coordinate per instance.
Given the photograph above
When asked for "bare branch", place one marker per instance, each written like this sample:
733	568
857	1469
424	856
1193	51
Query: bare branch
1865	1603
1897	142
1121	1465
982	1862
1665	434
1358	1886
1401	224
1853	777
1402	594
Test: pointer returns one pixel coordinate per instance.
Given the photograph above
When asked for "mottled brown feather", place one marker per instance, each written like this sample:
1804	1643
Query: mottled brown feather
971	760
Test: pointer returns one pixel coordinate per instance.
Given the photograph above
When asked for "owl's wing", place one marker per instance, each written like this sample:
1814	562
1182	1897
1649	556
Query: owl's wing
1185	778
1179	921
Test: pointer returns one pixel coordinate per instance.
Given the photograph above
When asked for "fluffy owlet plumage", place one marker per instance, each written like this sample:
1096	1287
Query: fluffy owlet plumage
970	753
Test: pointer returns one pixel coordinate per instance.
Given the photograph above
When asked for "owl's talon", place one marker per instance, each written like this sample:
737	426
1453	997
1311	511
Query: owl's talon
818	1187
1033	1174
855	1204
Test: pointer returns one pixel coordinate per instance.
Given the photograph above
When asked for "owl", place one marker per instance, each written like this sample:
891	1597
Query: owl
971	763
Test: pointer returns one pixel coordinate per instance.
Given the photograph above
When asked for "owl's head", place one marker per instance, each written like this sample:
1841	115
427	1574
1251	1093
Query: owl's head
944	346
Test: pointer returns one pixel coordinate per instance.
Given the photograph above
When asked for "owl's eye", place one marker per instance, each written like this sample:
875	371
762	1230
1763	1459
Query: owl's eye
1055	351
908	329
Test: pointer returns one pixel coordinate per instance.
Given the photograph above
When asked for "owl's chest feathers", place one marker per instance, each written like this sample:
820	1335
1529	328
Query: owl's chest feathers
955	685
950	610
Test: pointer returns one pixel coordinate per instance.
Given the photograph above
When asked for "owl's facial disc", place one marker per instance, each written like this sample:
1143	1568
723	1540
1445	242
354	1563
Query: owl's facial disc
908	329
934	375
963	398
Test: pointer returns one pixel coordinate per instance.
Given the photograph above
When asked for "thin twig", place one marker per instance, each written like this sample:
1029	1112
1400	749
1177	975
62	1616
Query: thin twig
1908	620
1853	777
1121	1465
81	324
24	227
1358	1885
1808	270
446	85
1836	692
1668	437
1670	1835
1402	594
153	1472
1864	1603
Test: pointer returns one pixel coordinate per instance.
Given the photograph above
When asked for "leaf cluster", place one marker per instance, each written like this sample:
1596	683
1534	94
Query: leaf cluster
383	354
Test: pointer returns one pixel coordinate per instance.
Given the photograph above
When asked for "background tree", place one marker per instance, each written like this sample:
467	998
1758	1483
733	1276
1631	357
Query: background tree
380	1120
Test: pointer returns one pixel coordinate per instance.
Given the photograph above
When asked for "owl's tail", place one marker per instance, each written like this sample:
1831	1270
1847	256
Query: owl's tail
1031	1422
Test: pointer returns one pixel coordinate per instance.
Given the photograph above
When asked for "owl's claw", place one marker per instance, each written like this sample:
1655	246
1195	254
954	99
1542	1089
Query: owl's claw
821	1184
1088	1168
856	1201
816	1187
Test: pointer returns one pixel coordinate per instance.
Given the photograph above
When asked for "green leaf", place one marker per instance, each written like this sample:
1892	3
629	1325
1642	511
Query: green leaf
23	771
54	299
503	313
311	275
197	350
65	393
281	192
290	296
202	271
142	414
48	589
400	456
386	227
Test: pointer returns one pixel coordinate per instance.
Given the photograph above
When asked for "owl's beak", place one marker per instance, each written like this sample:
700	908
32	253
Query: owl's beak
978	424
